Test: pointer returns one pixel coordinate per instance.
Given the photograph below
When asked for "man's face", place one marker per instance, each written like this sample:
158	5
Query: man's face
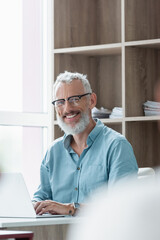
73	118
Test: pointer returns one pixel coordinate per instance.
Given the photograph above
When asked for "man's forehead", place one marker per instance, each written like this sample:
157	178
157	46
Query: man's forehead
75	86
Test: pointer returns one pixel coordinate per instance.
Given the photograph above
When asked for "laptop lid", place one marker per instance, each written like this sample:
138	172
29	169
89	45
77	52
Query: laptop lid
14	197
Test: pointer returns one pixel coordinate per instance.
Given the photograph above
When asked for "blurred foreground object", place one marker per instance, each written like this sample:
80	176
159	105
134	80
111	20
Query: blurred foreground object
146	172
126	212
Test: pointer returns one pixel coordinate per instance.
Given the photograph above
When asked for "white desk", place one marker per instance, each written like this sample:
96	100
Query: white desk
43	228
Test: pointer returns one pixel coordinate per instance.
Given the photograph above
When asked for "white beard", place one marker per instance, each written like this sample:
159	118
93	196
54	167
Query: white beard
78	128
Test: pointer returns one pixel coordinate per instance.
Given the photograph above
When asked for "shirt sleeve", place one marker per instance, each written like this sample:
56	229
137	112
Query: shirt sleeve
122	162
44	190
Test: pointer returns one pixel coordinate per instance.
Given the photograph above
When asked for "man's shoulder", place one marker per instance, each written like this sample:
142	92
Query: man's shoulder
111	138
111	135
107	131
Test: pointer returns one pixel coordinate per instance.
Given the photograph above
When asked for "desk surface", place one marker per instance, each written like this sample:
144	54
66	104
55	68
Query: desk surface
23	222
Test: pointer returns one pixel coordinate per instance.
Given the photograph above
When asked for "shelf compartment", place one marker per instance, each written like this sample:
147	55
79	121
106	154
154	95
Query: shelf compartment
78	23
104	74
142	72
142	19
144	138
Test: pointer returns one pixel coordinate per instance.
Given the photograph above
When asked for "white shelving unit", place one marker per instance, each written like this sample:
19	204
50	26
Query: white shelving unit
117	44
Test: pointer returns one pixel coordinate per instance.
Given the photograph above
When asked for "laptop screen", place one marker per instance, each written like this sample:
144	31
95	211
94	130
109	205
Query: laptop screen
14	197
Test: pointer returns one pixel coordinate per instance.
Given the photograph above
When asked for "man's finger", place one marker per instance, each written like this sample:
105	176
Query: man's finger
36	205
40	206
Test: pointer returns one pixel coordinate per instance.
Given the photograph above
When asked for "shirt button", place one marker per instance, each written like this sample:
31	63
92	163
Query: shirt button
76	188
78	168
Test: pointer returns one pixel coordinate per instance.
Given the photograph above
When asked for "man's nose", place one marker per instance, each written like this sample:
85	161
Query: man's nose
67	106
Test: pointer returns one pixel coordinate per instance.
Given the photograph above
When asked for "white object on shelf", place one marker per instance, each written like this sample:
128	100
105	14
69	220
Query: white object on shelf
100	113
117	112
151	108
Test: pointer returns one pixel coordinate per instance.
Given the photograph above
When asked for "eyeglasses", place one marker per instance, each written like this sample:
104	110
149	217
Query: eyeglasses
72	100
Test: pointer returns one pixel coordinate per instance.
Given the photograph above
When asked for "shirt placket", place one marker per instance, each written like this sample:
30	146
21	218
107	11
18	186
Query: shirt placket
78	165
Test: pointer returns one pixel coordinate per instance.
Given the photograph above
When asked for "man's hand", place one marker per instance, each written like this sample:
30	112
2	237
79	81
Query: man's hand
52	207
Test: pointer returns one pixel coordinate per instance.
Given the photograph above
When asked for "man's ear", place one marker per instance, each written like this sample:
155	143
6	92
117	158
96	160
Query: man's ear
93	101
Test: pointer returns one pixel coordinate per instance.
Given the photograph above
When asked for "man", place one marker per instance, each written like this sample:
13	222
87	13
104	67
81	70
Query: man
87	156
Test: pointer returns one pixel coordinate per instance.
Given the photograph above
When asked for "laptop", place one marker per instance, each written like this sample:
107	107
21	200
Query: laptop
15	199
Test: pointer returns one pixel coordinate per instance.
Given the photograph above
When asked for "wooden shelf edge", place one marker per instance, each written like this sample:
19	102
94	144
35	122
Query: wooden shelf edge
111	121
114	48
144	43
142	118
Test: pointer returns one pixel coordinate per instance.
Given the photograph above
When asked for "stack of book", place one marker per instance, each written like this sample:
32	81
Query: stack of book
117	112
151	108
100	113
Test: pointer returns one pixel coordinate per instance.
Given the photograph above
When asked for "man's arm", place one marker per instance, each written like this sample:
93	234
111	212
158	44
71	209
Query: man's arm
44	190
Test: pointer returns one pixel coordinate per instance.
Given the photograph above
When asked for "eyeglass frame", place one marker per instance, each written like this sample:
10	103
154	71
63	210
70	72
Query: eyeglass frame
67	99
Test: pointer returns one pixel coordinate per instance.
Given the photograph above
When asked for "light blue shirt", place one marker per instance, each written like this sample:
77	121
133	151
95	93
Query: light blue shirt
66	177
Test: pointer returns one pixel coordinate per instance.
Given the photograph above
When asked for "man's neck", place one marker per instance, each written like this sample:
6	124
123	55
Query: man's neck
79	142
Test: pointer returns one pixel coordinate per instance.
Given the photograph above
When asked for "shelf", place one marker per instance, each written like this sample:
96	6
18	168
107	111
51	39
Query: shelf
105	49
154	43
108	49
143	118
109	120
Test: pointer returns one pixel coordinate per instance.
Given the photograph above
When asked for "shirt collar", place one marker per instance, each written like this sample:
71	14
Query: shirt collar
94	133
91	137
67	140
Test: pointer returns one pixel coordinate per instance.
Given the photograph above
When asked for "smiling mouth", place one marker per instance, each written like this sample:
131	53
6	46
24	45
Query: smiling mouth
71	115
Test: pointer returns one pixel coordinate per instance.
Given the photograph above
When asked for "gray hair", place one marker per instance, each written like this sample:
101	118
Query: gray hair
68	77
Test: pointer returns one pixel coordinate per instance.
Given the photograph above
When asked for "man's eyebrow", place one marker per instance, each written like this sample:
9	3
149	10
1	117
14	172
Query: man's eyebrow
77	95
